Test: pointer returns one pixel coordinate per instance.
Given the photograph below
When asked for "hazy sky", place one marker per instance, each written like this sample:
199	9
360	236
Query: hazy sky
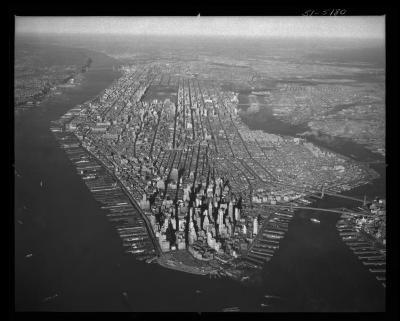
342	27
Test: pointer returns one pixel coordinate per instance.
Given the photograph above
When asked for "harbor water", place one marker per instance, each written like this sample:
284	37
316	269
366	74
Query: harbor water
69	258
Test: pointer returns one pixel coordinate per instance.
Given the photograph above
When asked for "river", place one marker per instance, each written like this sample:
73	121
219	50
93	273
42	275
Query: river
313	268
77	255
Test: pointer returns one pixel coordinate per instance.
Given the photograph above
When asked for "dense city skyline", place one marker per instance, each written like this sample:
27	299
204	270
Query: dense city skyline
200	164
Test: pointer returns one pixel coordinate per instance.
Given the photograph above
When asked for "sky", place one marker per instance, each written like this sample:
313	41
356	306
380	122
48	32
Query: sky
284	27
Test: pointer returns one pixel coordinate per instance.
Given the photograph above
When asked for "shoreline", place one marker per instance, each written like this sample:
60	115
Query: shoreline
161	257
132	200
174	265
56	89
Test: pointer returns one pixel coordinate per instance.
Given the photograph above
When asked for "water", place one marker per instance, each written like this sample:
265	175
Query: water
313	268
262	118
76	253
63	226
78	258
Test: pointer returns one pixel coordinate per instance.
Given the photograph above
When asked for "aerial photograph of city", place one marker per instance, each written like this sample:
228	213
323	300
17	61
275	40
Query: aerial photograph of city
200	164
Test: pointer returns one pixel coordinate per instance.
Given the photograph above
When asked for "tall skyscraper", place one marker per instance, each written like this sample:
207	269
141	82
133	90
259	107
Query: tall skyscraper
220	217
237	214
255	226
230	210
205	223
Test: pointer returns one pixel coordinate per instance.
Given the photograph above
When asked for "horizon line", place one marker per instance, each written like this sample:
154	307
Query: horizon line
32	33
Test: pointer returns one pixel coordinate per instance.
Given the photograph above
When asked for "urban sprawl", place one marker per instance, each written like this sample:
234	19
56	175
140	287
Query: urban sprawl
186	182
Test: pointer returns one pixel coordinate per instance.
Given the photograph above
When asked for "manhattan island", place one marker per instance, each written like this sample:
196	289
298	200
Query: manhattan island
185	182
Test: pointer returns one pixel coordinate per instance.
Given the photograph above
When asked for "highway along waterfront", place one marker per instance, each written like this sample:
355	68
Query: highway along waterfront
69	258
67	255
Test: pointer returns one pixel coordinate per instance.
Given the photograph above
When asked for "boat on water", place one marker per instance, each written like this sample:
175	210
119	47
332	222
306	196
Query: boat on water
125	299
50	297
16	173
314	220
264	305
29	255
231	309
151	259
267	296
41	183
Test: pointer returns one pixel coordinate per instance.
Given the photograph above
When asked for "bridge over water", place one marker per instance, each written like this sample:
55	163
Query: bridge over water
322	192
291	207
344	196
